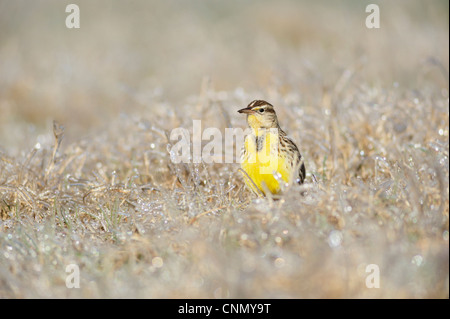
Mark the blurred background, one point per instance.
(128, 54)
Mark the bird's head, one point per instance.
(260, 115)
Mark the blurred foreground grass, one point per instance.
(368, 108)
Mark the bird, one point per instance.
(269, 157)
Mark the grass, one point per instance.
(98, 188)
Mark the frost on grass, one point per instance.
(139, 225)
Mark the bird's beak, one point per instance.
(246, 111)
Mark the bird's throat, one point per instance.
(254, 123)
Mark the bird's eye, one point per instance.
(261, 110)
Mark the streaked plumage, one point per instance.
(268, 156)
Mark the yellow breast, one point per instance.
(264, 164)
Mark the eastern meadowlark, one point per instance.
(268, 156)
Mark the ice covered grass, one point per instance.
(368, 110)
(140, 226)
